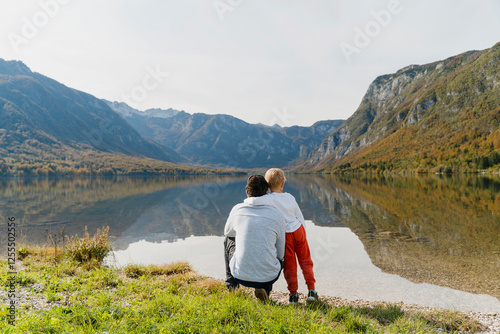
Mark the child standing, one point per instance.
(296, 241)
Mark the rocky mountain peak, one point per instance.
(14, 67)
(414, 98)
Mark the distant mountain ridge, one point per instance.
(438, 117)
(45, 126)
(35, 107)
(125, 110)
(224, 140)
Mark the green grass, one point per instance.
(175, 299)
(87, 249)
(106, 300)
(136, 271)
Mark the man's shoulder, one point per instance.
(239, 206)
(276, 214)
(270, 211)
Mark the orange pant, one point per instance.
(296, 243)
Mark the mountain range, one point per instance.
(47, 128)
(439, 117)
(224, 140)
(42, 115)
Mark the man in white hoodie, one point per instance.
(254, 246)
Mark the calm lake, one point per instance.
(428, 240)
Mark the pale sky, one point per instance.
(264, 61)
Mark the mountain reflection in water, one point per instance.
(151, 208)
(439, 230)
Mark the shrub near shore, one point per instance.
(58, 294)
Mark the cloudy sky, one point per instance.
(264, 61)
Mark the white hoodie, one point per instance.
(287, 204)
(259, 230)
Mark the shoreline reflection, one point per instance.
(342, 267)
(428, 230)
(443, 231)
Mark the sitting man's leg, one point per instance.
(264, 292)
(262, 289)
(229, 248)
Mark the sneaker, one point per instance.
(312, 296)
(294, 299)
(261, 294)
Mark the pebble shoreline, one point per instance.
(31, 298)
(490, 321)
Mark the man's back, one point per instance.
(259, 232)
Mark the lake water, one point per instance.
(430, 240)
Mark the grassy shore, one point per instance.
(57, 292)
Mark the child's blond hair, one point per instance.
(275, 178)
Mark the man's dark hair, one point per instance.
(256, 186)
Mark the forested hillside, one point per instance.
(47, 128)
(439, 117)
